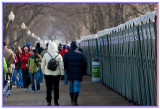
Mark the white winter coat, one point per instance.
(53, 50)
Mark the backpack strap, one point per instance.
(51, 56)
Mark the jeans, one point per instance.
(36, 76)
(41, 75)
(13, 77)
(65, 78)
(50, 82)
(9, 77)
(18, 75)
(74, 86)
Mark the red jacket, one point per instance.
(63, 52)
(24, 58)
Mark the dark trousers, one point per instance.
(50, 82)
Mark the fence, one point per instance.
(127, 55)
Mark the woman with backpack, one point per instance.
(53, 71)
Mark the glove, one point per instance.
(62, 77)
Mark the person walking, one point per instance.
(68, 47)
(24, 58)
(45, 50)
(52, 76)
(17, 72)
(42, 54)
(33, 63)
(13, 69)
(64, 50)
(39, 50)
(5, 69)
(75, 65)
(9, 57)
(60, 47)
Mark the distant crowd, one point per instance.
(23, 66)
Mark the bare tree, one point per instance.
(71, 20)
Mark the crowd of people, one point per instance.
(23, 66)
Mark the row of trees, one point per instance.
(68, 21)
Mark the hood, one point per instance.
(38, 45)
(74, 45)
(52, 47)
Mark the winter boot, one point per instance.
(48, 103)
(75, 97)
(56, 103)
(71, 95)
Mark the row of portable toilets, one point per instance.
(127, 55)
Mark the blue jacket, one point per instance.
(75, 63)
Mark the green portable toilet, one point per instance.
(127, 67)
(120, 61)
(101, 54)
(109, 57)
(100, 44)
(152, 55)
(122, 58)
(140, 62)
(95, 59)
(151, 60)
(136, 53)
(106, 59)
(145, 60)
(86, 53)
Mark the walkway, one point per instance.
(91, 94)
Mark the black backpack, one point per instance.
(52, 64)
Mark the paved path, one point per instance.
(92, 94)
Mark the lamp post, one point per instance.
(11, 17)
(28, 33)
(33, 36)
(23, 26)
(36, 37)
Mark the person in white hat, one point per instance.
(24, 58)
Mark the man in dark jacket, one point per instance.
(75, 65)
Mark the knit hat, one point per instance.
(64, 47)
(74, 45)
(25, 48)
(28, 45)
(60, 45)
(47, 44)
